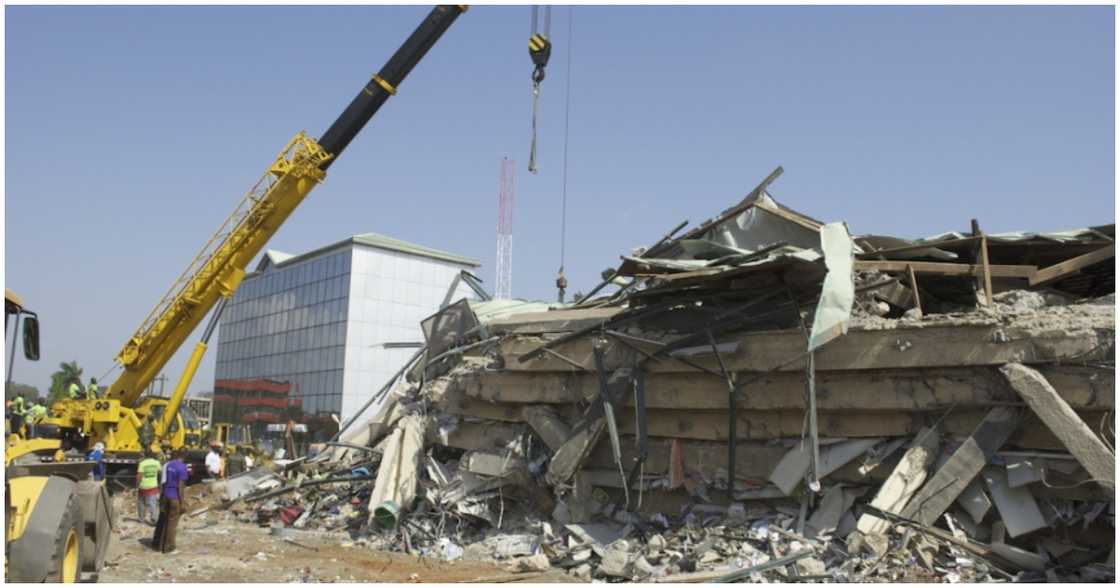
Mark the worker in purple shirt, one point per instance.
(172, 502)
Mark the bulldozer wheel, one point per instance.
(67, 558)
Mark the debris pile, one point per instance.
(761, 398)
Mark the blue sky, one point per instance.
(132, 131)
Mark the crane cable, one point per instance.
(540, 48)
(561, 281)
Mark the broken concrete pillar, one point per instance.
(548, 426)
(1097, 459)
(573, 452)
(907, 477)
(966, 462)
(495, 465)
(397, 476)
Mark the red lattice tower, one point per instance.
(504, 267)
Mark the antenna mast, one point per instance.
(504, 266)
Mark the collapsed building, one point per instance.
(760, 397)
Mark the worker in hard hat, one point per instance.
(35, 415)
(235, 462)
(98, 457)
(74, 390)
(19, 412)
(92, 391)
(214, 460)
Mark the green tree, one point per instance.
(60, 380)
(13, 389)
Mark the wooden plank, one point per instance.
(914, 287)
(964, 465)
(880, 390)
(915, 247)
(930, 346)
(947, 269)
(745, 203)
(789, 216)
(1069, 266)
(1061, 419)
(985, 277)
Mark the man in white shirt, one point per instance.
(214, 460)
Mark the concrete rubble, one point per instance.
(954, 425)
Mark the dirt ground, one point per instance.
(214, 548)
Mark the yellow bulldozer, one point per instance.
(59, 522)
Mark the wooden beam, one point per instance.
(745, 203)
(1078, 438)
(791, 217)
(985, 277)
(1070, 266)
(965, 464)
(914, 286)
(947, 269)
(917, 247)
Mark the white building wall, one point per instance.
(390, 293)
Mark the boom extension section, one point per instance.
(217, 270)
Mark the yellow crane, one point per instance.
(123, 420)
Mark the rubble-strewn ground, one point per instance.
(215, 547)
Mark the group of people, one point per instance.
(161, 489)
(74, 390)
(21, 413)
(221, 463)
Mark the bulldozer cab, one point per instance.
(14, 311)
(230, 434)
(185, 429)
(14, 308)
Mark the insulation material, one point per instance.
(757, 228)
(838, 292)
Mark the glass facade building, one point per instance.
(311, 338)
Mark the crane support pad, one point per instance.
(29, 556)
